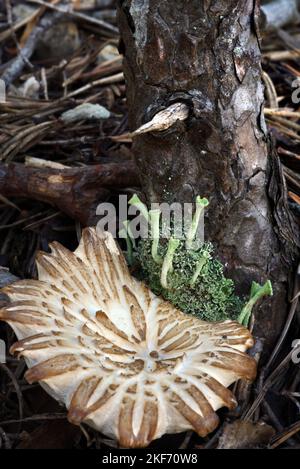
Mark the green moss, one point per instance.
(210, 296)
(188, 275)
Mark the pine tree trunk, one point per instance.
(206, 53)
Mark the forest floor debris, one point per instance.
(93, 159)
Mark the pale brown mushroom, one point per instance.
(121, 359)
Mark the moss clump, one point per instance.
(186, 273)
(208, 295)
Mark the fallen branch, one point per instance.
(74, 191)
(280, 13)
(79, 16)
(16, 67)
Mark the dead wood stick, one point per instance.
(280, 13)
(74, 191)
(16, 67)
(79, 16)
(18, 25)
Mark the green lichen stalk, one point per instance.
(257, 292)
(191, 234)
(154, 217)
(187, 273)
(136, 202)
(195, 284)
(168, 262)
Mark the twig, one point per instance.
(36, 418)
(74, 191)
(16, 386)
(282, 113)
(103, 81)
(16, 67)
(45, 83)
(266, 386)
(15, 27)
(79, 16)
(280, 13)
(272, 416)
(21, 222)
(270, 91)
(186, 441)
(286, 434)
(288, 321)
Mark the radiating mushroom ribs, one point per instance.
(120, 358)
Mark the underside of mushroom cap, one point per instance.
(120, 358)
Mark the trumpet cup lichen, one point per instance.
(188, 274)
(195, 284)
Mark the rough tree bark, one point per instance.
(206, 53)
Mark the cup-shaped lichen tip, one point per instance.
(135, 201)
(257, 292)
(201, 204)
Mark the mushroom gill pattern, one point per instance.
(121, 359)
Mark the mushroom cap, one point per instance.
(121, 359)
